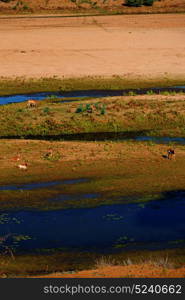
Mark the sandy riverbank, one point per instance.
(130, 46)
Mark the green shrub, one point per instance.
(150, 92)
(96, 105)
(165, 93)
(25, 7)
(148, 2)
(79, 109)
(46, 110)
(103, 110)
(5, 1)
(88, 107)
(132, 93)
(135, 3)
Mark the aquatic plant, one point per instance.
(113, 217)
(51, 97)
(132, 93)
(21, 237)
(142, 205)
(150, 92)
(5, 219)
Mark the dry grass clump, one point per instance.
(161, 262)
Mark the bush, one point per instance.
(46, 110)
(79, 109)
(150, 92)
(88, 107)
(135, 3)
(148, 2)
(132, 93)
(103, 110)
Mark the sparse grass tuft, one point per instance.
(103, 262)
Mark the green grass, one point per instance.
(118, 172)
(22, 85)
(123, 170)
(131, 115)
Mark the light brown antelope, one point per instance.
(32, 103)
(16, 158)
(23, 166)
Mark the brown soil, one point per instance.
(131, 46)
(143, 270)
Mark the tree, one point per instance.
(135, 3)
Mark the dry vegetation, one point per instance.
(162, 115)
(99, 6)
(145, 270)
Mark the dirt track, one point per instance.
(147, 45)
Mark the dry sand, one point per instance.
(135, 45)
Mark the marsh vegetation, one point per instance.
(127, 191)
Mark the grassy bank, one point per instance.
(119, 172)
(21, 85)
(68, 263)
(96, 119)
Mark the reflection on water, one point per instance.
(39, 185)
(64, 197)
(156, 224)
(161, 140)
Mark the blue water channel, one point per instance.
(156, 224)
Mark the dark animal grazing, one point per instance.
(48, 154)
(171, 153)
